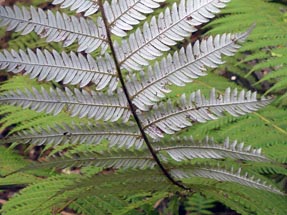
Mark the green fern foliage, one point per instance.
(264, 54)
(197, 204)
(10, 161)
(270, 121)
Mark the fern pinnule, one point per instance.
(59, 27)
(88, 6)
(113, 159)
(14, 161)
(167, 118)
(181, 149)
(198, 204)
(224, 175)
(123, 15)
(79, 103)
(266, 168)
(118, 135)
(75, 68)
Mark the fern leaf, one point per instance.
(171, 26)
(71, 69)
(18, 180)
(221, 174)
(57, 191)
(140, 201)
(117, 135)
(141, 94)
(10, 161)
(88, 206)
(112, 159)
(79, 103)
(59, 27)
(186, 148)
(122, 15)
(88, 6)
(244, 200)
(122, 183)
(198, 204)
(266, 44)
(169, 119)
(266, 168)
(183, 67)
(100, 205)
(38, 195)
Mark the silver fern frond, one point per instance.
(80, 103)
(88, 6)
(71, 69)
(166, 118)
(121, 127)
(56, 27)
(118, 135)
(183, 67)
(122, 15)
(171, 26)
(221, 174)
(181, 149)
(113, 159)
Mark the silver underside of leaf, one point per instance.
(122, 15)
(182, 67)
(166, 30)
(221, 174)
(80, 103)
(145, 84)
(56, 27)
(70, 69)
(89, 7)
(168, 119)
(181, 149)
(113, 159)
(119, 136)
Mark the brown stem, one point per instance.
(132, 108)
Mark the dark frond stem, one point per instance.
(12, 187)
(133, 110)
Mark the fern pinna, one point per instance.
(105, 109)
